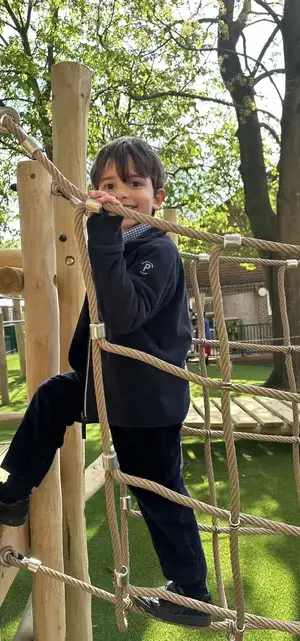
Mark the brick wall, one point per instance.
(247, 306)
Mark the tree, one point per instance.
(267, 222)
(179, 74)
(34, 35)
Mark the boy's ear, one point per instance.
(158, 199)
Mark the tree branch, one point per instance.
(5, 43)
(18, 25)
(224, 49)
(251, 24)
(269, 114)
(239, 24)
(267, 74)
(28, 17)
(265, 49)
(272, 131)
(198, 21)
(7, 24)
(270, 11)
(179, 94)
(245, 52)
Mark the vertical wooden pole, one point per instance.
(5, 312)
(171, 216)
(3, 365)
(42, 350)
(71, 87)
(20, 335)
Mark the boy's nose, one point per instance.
(122, 192)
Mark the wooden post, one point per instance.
(20, 335)
(171, 216)
(3, 365)
(5, 312)
(17, 537)
(42, 352)
(71, 87)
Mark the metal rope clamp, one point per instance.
(232, 241)
(33, 565)
(292, 263)
(97, 331)
(226, 385)
(290, 349)
(126, 503)
(204, 258)
(122, 578)
(234, 526)
(30, 145)
(110, 461)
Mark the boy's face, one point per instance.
(137, 193)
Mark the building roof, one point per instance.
(231, 274)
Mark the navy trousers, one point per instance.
(151, 453)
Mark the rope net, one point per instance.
(235, 622)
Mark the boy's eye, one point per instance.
(108, 186)
(137, 183)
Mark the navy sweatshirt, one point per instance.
(142, 300)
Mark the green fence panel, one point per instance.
(10, 339)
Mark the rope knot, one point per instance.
(7, 552)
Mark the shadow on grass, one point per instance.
(269, 564)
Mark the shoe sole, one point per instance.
(14, 514)
(187, 620)
(191, 620)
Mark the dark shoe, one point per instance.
(12, 513)
(173, 613)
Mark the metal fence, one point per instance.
(260, 333)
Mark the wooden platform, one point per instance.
(248, 414)
(259, 415)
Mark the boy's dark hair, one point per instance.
(146, 161)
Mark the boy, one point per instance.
(141, 294)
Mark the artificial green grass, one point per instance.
(251, 373)
(269, 564)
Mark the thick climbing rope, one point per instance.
(233, 622)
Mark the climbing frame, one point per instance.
(235, 622)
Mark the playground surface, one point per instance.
(269, 563)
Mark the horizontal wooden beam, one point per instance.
(11, 258)
(94, 478)
(9, 418)
(11, 280)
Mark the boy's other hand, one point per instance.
(103, 197)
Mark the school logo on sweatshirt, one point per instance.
(146, 267)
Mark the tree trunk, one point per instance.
(288, 202)
(263, 221)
